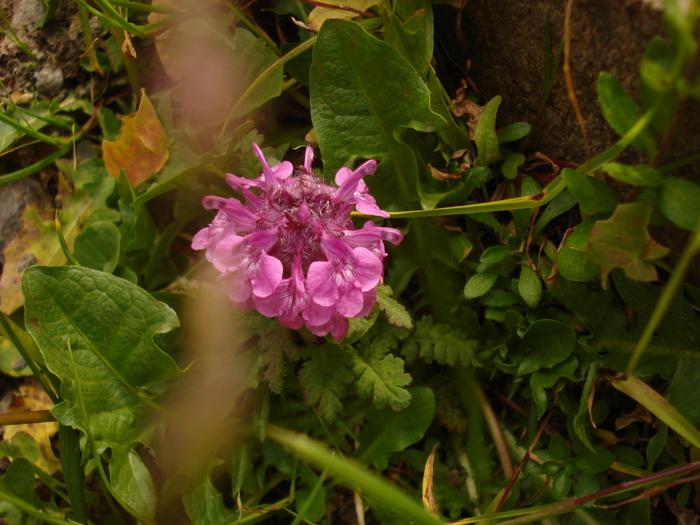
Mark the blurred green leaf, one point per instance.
(680, 202)
(591, 193)
(388, 431)
(622, 112)
(642, 175)
(97, 247)
(356, 476)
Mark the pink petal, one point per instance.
(224, 255)
(321, 283)
(238, 288)
(265, 274)
(317, 315)
(369, 269)
(370, 298)
(350, 303)
(339, 329)
(308, 158)
(367, 205)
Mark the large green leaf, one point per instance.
(96, 334)
(358, 114)
(388, 431)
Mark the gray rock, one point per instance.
(49, 80)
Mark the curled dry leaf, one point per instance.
(141, 148)
(442, 175)
(321, 14)
(638, 414)
(428, 476)
(463, 106)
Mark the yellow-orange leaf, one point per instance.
(142, 147)
(32, 397)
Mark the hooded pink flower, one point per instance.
(291, 251)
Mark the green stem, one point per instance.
(665, 300)
(29, 170)
(38, 374)
(87, 38)
(42, 516)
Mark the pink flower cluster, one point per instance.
(291, 251)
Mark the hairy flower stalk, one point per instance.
(291, 251)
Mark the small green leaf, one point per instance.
(561, 484)
(680, 202)
(388, 431)
(641, 175)
(591, 193)
(594, 461)
(132, 482)
(485, 135)
(547, 343)
(511, 165)
(479, 284)
(495, 254)
(97, 247)
(513, 132)
(529, 286)
(622, 112)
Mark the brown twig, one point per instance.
(524, 461)
(26, 418)
(571, 92)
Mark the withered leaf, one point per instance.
(141, 148)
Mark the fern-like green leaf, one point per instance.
(395, 313)
(438, 343)
(276, 344)
(323, 379)
(381, 375)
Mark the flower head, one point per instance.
(292, 252)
